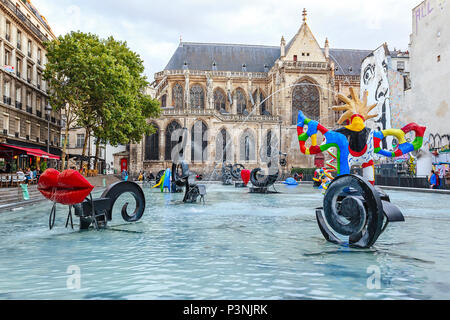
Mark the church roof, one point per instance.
(232, 57)
(348, 61)
(228, 57)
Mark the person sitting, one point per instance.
(296, 176)
(28, 176)
(21, 176)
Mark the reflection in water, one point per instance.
(236, 246)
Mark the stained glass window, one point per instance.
(247, 147)
(305, 97)
(219, 100)
(241, 101)
(152, 145)
(262, 106)
(172, 139)
(197, 97)
(178, 96)
(199, 142)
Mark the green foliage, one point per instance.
(102, 79)
(43, 166)
(303, 170)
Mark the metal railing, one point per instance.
(222, 117)
(306, 65)
(229, 74)
(11, 6)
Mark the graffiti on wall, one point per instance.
(439, 143)
(374, 79)
(421, 12)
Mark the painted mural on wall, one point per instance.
(397, 101)
(374, 80)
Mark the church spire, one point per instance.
(304, 14)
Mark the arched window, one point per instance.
(164, 101)
(152, 145)
(261, 103)
(199, 141)
(174, 136)
(178, 96)
(223, 147)
(270, 148)
(241, 102)
(305, 97)
(197, 97)
(247, 147)
(219, 100)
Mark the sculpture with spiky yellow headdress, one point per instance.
(355, 143)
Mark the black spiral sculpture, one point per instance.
(227, 177)
(261, 183)
(98, 212)
(355, 213)
(236, 171)
(180, 178)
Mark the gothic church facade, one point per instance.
(239, 103)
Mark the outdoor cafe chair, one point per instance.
(5, 181)
(15, 181)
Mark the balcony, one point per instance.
(38, 86)
(47, 117)
(6, 100)
(29, 109)
(16, 135)
(12, 6)
(39, 113)
(39, 62)
(27, 137)
(19, 46)
(37, 139)
(53, 120)
(28, 80)
(19, 105)
(29, 54)
(5, 132)
(8, 37)
(18, 74)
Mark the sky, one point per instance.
(153, 28)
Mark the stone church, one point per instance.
(237, 103)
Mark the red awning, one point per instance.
(33, 152)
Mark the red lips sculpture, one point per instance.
(68, 187)
(245, 175)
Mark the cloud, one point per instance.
(153, 28)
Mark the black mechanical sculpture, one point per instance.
(230, 172)
(261, 183)
(98, 212)
(355, 213)
(180, 179)
(227, 178)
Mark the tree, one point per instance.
(66, 70)
(103, 82)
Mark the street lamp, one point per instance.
(48, 110)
